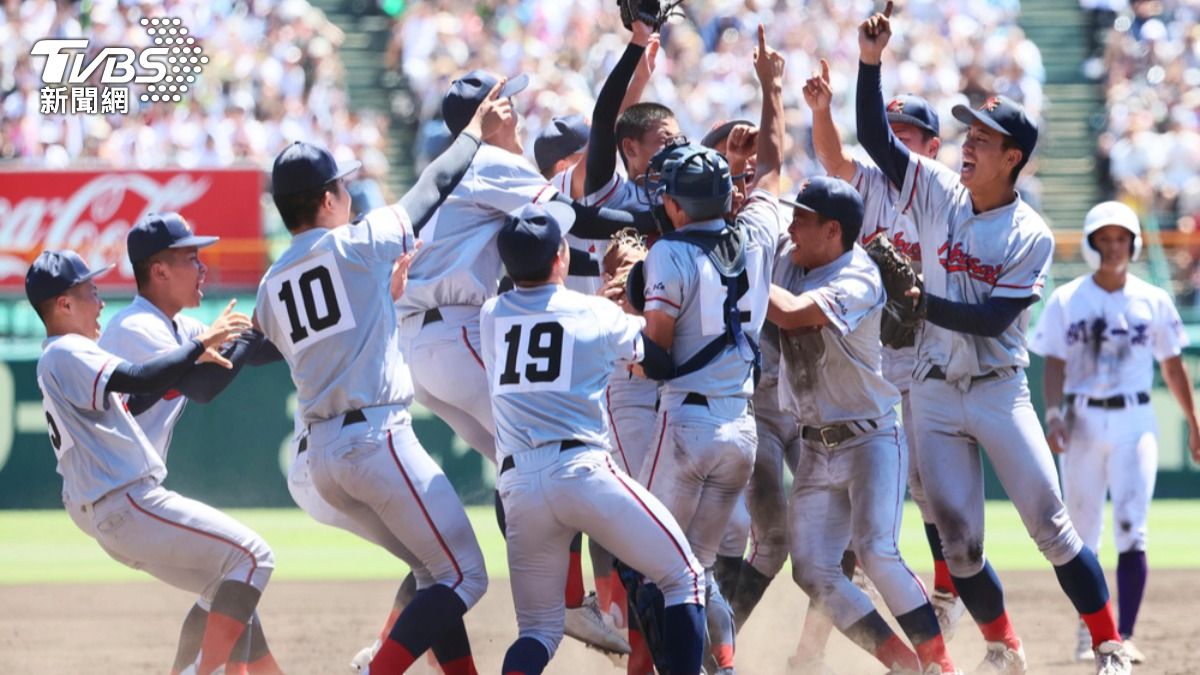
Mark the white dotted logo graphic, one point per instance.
(185, 58)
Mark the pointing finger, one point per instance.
(887, 9)
(825, 70)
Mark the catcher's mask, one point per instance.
(696, 177)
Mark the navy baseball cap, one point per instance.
(303, 166)
(468, 91)
(831, 198)
(55, 273)
(531, 235)
(914, 110)
(160, 231)
(1004, 115)
(721, 132)
(563, 137)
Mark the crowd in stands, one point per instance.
(273, 76)
(949, 51)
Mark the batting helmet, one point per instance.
(1109, 213)
(696, 177)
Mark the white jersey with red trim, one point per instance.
(459, 263)
(98, 445)
(619, 193)
(970, 257)
(326, 304)
(140, 332)
(1109, 341)
(881, 216)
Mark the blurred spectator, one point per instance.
(274, 76)
(949, 51)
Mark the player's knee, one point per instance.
(473, 585)
(877, 555)
(964, 557)
(685, 584)
(814, 580)
(1056, 537)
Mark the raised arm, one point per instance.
(827, 140)
(602, 140)
(769, 65)
(874, 132)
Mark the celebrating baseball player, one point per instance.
(1100, 335)
(112, 473)
(164, 253)
(332, 287)
(969, 387)
(915, 123)
(548, 352)
(849, 483)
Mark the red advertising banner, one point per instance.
(91, 213)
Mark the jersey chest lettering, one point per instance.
(1097, 331)
(309, 302)
(912, 249)
(956, 259)
(536, 353)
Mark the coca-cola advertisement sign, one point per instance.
(91, 213)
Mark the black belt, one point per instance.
(431, 316)
(1112, 402)
(508, 462)
(936, 373)
(352, 417)
(834, 435)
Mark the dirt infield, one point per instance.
(317, 627)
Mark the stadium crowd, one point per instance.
(274, 75)
(567, 48)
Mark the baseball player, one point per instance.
(332, 287)
(548, 353)
(705, 302)
(993, 252)
(164, 253)
(112, 474)
(916, 124)
(1100, 334)
(849, 483)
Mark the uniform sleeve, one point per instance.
(82, 371)
(135, 340)
(664, 281)
(1169, 337)
(1024, 273)
(624, 331)
(927, 191)
(507, 186)
(605, 194)
(1049, 336)
(849, 298)
(760, 214)
(385, 234)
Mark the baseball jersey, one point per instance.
(459, 263)
(326, 305)
(97, 444)
(594, 248)
(138, 333)
(1004, 252)
(1109, 341)
(549, 352)
(833, 374)
(682, 282)
(881, 216)
(620, 192)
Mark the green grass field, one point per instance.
(45, 547)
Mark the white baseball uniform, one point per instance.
(548, 352)
(112, 479)
(325, 304)
(981, 396)
(458, 270)
(703, 448)
(847, 493)
(1109, 342)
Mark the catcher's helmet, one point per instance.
(696, 177)
(1109, 213)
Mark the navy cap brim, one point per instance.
(346, 169)
(901, 118)
(198, 242)
(797, 205)
(719, 134)
(968, 115)
(563, 214)
(93, 274)
(514, 85)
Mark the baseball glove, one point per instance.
(901, 314)
(653, 13)
(624, 249)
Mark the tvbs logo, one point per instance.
(167, 67)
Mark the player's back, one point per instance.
(326, 305)
(459, 264)
(549, 353)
